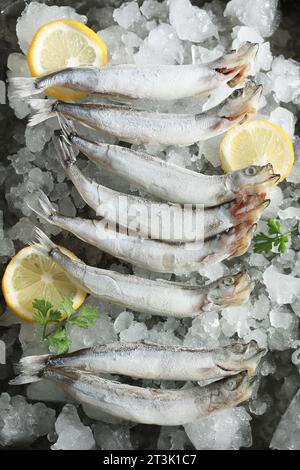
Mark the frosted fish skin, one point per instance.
(155, 220)
(155, 255)
(134, 125)
(153, 361)
(171, 182)
(155, 82)
(155, 297)
(152, 406)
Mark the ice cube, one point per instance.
(37, 136)
(258, 335)
(290, 213)
(172, 438)
(2, 92)
(285, 76)
(264, 56)
(22, 423)
(23, 230)
(276, 197)
(284, 119)
(162, 46)
(7, 247)
(262, 16)
(123, 321)
(1, 226)
(128, 14)
(46, 390)
(228, 429)
(112, 436)
(238, 318)
(190, 22)
(261, 307)
(153, 9)
(117, 52)
(287, 433)
(136, 332)
(72, 434)
(202, 55)
(36, 15)
(210, 149)
(281, 318)
(2, 352)
(282, 288)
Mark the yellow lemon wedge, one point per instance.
(257, 142)
(61, 44)
(31, 275)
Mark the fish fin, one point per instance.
(42, 243)
(64, 151)
(24, 86)
(67, 129)
(44, 110)
(43, 207)
(30, 369)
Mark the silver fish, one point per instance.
(149, 405)
(158, 297)
(155, 220)
(133, 125)
(168, 181)
(149, 360)
(155, 82)
(154, 255)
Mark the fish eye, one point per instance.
(231, 384)
(228, 281)
(237, 93)
(238, 347)
(250, 171)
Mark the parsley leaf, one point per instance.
(263, 243)
(85, 317)
(58, 337)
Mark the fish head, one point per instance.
(237, 65)
(248, 207)
(241, 104)
(238, 357)
(237, 240)
(252, 179)
(232, 391)
(230, 290)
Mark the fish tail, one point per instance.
(30, 369)
(43, 207)
(24, 86)
(68, 129)
(42, 244)
(64, 151)
(45, 109)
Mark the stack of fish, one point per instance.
(226, 207)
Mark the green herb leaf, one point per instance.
(59, 340)
(85, 317)
(42, 305)
(274, 226)
(265, 242)
(67, 306)
(54, 316)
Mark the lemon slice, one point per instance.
(257, 142)
(31, 275)
(61, 44)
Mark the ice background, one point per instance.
(168, 32)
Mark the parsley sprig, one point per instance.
(275, 237)
(55, 321)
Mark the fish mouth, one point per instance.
(241, 107)
(238, 63)
(249, 208)
(242, 236)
